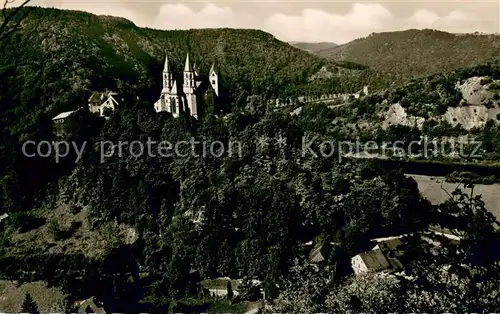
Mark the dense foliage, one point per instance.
(441, 275)
(257, 207)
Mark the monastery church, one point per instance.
(194, 96)
(191, 93)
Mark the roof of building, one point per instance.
(214, 68)
(96, 96)
(374, 260)
(102, 96)
(201, 83)
(316, 256)
(4, 216)
(113, 99)
(390, 245)
(392, 248)
(64, 115)
(89, 306)
(387, 238)
(173, 90)
(320, 252)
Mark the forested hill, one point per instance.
(58, 57)
(95, 52)
(416, 53)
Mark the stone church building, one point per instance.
(194, 93)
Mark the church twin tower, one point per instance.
(199, 92)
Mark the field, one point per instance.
(437, 191)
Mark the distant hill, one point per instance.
(415, 53)
(313, 47)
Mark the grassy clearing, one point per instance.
(48, 299)
(67, 232)
(210, 305)
(219, 283)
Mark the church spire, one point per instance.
(188, 67)
(167, 67)
(214, 69)
(195, 68)
(167, 76)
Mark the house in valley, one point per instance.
(89, 306)
(370, 261)
(65, 122)
(105, 103)
(385, 256)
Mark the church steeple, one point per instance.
(188, 77)
(167, 68)
(189, 88)
(195, 68)
(168, 79)
(187, 66)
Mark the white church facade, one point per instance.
(193, 94)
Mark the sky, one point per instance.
(311, 21)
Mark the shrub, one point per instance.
(75, 209)
(486, 81)
(61, 233)
(248, 291)
(25, 221)
(495, 86)
(489, 180)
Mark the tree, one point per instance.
(9, 24)
(248, 290)
(29, 305)
(230, 292)
(304, 290)
(369, 293)
(457, 275)
(226, 261)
